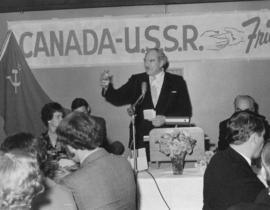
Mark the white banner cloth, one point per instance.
(124, 39)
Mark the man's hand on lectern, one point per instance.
(158, 121)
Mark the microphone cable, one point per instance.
(160, 193)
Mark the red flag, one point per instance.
(21, 97)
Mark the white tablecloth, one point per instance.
(181, 192)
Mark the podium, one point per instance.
(195, 132)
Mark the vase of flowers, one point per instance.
(176, 145)
(178, 162)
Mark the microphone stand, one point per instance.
(135, 152)
(135, 155)
(133, 116)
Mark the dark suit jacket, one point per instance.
(103, 182)
(262, 202)
(173, 100)
(223, 131)
(115, 147)
(101, 121)
(229, 180)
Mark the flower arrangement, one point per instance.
(176, 143)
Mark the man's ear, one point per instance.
(254, 138)
(161, 63)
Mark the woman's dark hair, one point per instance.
(242, 124)
(48, 110)
(80, 131)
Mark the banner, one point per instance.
(123, 40)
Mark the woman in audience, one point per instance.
(51, 115)
(20, 180)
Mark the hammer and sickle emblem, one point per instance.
(14, 81)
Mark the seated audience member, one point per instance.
(81, 105)
(55, 196)
(229, 178)
(23, 142)
(104, 180)
(51, 115)
(20, 180)
(241, 103)
(262, 201)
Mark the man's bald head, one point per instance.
(244, 102)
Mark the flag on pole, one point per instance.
(21, 96)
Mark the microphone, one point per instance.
(131, 109)
(143, 90)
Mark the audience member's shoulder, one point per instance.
(98, 118)
(50, 184)
(71, 179)
(249, 206)
(219, 158)
(224, 122)
(120, 159)
(55, 196)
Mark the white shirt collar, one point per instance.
(159, 76)
(86, 154)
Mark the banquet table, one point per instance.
(181, 192)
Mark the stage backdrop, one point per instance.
(123, 40)
(212, 83)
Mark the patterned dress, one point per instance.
(51, 156)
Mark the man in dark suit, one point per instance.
(262, 201)
(165, 94)
(103, 181)
(229, 178)
(81, 105)
(241, 102)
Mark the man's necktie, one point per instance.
(154, 92)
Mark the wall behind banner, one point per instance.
(212, 84)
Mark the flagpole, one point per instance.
(4, 46)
